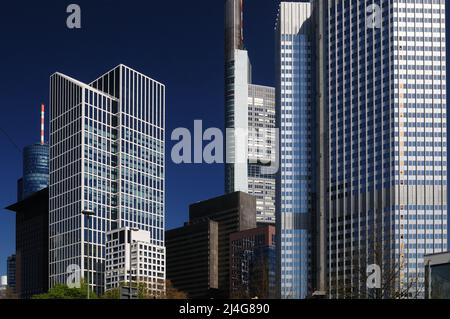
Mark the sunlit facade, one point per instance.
(107, 156)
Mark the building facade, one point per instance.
(386, 115)
(11, 272)
(3, 283)
(261, 150)
(35, 170)
(233, 212)
(32, 244)
(252, 263)
(295, 179)
(106, 156)
(250, 122)
(437, 276)
(130, 258)
(193, 258)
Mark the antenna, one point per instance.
(42, 124)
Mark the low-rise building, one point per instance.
(128, 248)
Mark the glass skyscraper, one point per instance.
(35, 170)
(386, 114)
(295, 120)
(107, 156)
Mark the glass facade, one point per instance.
(107, 156)
(35, 170)
(295, 178)
(387, 191)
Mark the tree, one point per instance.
(393, 281)
(8, 293)
(61, 291)
(145, 293)
(173, 293)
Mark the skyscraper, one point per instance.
(35, 169)
(250, 111)
(35, 165)
(386, 114)
(107, 157)
(295, 120)
(32, 244)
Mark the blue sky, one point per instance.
(179, 43)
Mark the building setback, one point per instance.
(32, 244)
(252, 263)
(107, 156)
(250, 111)
(193, 258)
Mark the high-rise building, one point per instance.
(31, 258)
(295, 186)
(106, 157)
(193, 258)
(386, 115)
(35, 169)
(261, 150)
(233, 212)
(32, 244)
(11, 272)
(250, 114)
(253, 263)
(131, 249)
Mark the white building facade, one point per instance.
(132, 249)
(106, 156)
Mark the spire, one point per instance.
(42, 124)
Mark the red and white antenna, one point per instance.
(42, 124)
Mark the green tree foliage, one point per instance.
(64, 292)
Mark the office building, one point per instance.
(252, 263)
(207, 237)
(3, 283)
(106, 157)
(437, 276)
(295, 179)
(132, 249)
(193, 258)
(11, 272)
(35, 165)
(261, 150)
(386, 114)
(29, 266)
(35, 170)
(31, 244)
(250, 114)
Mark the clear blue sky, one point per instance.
(179, 43)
